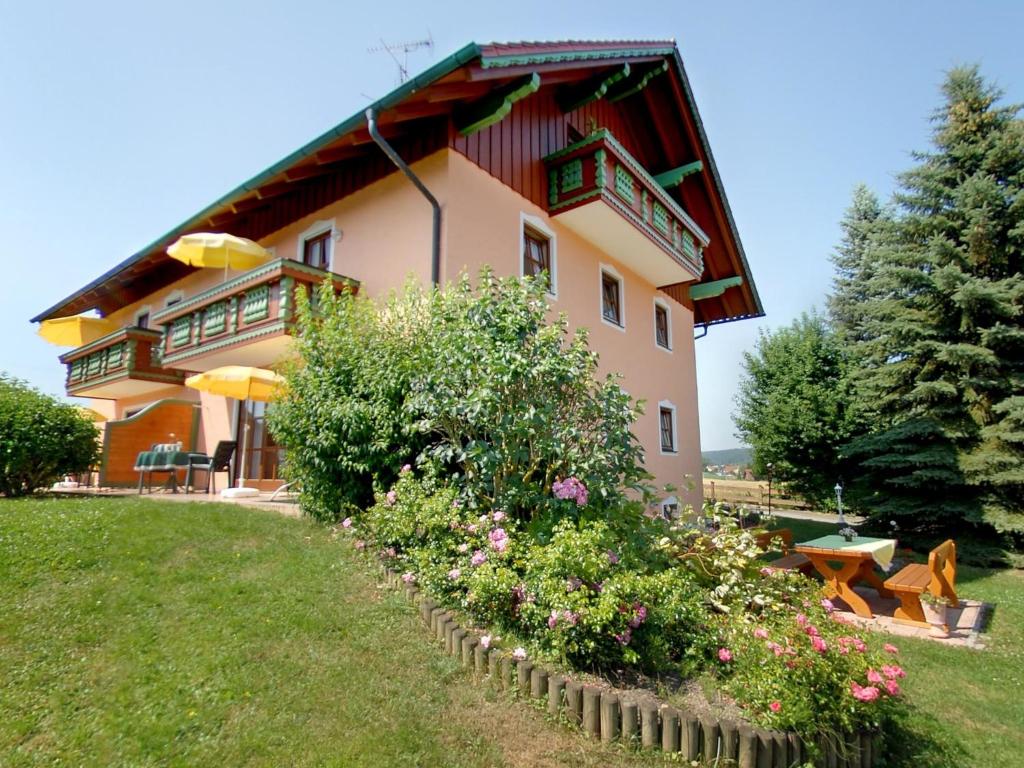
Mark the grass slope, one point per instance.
(135, 632)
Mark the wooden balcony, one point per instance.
(599, 190)
(245, 321)
(124, 363)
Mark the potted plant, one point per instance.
(848, 533)
(935, 609)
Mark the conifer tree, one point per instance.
(939, 332)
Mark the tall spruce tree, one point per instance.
(939, 328)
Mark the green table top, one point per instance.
(881, 550)
(164, 460)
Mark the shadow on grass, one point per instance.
(919, 738)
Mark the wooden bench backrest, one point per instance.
(764, 540)
(942, 565)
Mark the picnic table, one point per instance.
(842, 564)
(164, 461)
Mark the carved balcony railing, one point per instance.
(241, 321)
(121, 364)
(596, 188)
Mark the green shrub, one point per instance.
(41, 439)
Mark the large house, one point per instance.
(585, 159)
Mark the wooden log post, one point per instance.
(853, 751)
(574, 702)
(538, 683)
(411, 592)
(730, 740)
(469, 643)
(709, 731)
(556, 692)
(507, 672)
(457, 637)
(480, 660)
(494, 667)
(797, 755)
(867, 755)
(435, 618)
(523, 670)
(592, 711)
(441, 627)
(669, 729)
(765, 744)
(427, 607)
(748, 748)
(780, 750)
(650, 726)
(609, 717)
(690, 740)
(630, 722)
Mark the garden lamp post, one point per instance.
(839, 503)
(769, 467)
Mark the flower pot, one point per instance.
(935, 615)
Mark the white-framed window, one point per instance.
(613, 298)
(668, 438)
(316, 244)
(662, 324)
(538, 250)
(174, 297)
(142, 316)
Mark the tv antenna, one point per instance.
(403, 49)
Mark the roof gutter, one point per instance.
(435, 242)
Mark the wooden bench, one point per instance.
(790, 560)
(938, 578)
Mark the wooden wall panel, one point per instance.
(123, 440)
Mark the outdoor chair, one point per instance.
(219, 462)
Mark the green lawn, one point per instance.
(144, 633)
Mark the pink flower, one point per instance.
(553, 620)
(818, 644)
(519, 654)
(472, 527)
(485, 642)
(861, 693)
(454, 573)
(890, 648)
(827, 605)
(408, 577)
(346, 523)
(571, 488)
(499, 539)
(571, 617)
(873, 676)
(724, 655)
(498, 516)
(390, 552)
(612, 557)
(463, 547)
(761, 633)
(767, 571)
(801, 620)
(775, 648)
(775, 706)
(390, 498)
(893, 671)
(892, 687)
(360, 544)
(406, 468)
(625, 637)
(811, 630)
(639, 617)
(860, 645)
(479, 558)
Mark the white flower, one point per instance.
(519, 654)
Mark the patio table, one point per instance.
(164, 461)
(842, 564)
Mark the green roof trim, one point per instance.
(525, 59)
(593, 89)
(702, 291)
(672, 178)
(494, 107)
(636, 83)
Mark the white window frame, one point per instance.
(660, 302)
(611, 272)
(668, 406)
(318, 228)
(174, 297)
(537, 224)
(146, 309)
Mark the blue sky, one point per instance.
(120, 120)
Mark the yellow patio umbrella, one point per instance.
(75, 331)
(90, 414)
(242, 383)
(218, 250)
